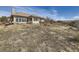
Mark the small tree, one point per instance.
(3, 19)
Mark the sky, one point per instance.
(53, 12)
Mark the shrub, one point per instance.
(76, 38)
(3, 19)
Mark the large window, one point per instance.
(17, 19)
(21, 19)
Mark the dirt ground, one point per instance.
(38, 38)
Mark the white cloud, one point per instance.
(76, 17)
(39, 11)
(52, 13)
(60, 18)
(4, 13)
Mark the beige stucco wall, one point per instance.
(14, 20)
(42, 20)
(35, 22)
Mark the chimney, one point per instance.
(13, 10)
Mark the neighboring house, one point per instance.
(19, 17)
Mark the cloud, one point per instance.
(22, 9)
(76, 17)
(52, 13)
(4, 13)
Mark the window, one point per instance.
(17, 19)
(23, 19)
(20, 19)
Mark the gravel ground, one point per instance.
(39, 39)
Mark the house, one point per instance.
(24, 18)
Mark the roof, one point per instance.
(26, 15)
(21, 14)
(37, 16)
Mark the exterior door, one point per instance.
(29, 20)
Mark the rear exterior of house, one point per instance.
(23, 18)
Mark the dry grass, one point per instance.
(36, 38)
